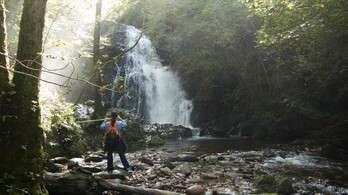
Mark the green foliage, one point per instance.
(62, 135)
(269, 68)
(55, 110)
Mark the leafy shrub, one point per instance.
(63, 136)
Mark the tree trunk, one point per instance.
(132, 190)
(21, 133)
(3, 49)
(98, 109)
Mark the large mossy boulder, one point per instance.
(71, 183)
(134, 135)
(273, 184)
(64, 140)
(155, 141)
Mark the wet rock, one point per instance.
(72, 164)
(146, 160)
(94, 158)
(269, 153)
(168, 164)
(92, 169)
(51, 167)
(223, 191)
(256, 158)
(209, 176)
(195, 180)
(168, 131)
(195, 190)
(166, 171)
(60, 160)
(134, 135)
(115, 174)
(194, 148)
(184, 169)
(135, 116)
(143, 166)
(273, 184)
(155, 140)
(187, 158)
(70, 183)
(220, 158)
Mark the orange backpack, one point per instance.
(112, 136)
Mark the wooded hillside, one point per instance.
(269, 69)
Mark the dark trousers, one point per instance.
(121, 152)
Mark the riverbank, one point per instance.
(182, 164)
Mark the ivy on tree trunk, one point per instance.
(21, 135)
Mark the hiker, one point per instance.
(120, 147)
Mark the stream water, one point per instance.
(245, 159)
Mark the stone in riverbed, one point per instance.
(185, 169)
(194, 148)
(94, 158)
(60, 160)
(187, 158)
(116, 174)
(209, 176)
(195, 180)
(223, 191)
(166, 171)
(195, 190)
(146, 160)
(273, 184)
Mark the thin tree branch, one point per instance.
(35, 77)
(57, 74)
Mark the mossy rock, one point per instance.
(273, 184)
(64, 140)
(134, 135)
(155, 141)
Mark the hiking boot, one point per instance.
(129, 170)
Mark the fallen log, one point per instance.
(130, 189)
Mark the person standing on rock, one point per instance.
(121, 148)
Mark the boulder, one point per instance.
(166, 171)
(168, 131)
(209, 176)
(71, 183)
(60, 160)
(94, 158)
(273, 184)
(51, 167)
(184, 169)
(155, 140)
(187, 158)
(195, 190)
(134, 135)
(64, 140)
(146, 160)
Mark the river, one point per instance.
(241, 160)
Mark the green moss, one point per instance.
(155, 141)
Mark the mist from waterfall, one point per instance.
(155, 90)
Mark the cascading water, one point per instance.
(152, 89)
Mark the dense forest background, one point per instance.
(269, 69)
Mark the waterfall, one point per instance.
(152, 89)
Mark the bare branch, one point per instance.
(57, 74)
(35, 77)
